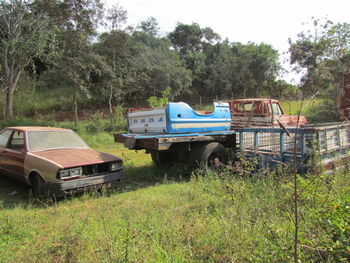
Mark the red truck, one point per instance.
(261, 112)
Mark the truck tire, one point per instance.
(161, 158)
(210, 155)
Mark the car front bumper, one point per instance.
(79, 185)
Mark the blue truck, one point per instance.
(177, 133)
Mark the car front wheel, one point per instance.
(37, 185)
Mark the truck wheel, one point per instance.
(37, 183)
(211, 155)
(161, 158)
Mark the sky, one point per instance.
(258, 21)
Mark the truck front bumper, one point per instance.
(80, 185)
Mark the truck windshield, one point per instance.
(48, 140)
(276, 109)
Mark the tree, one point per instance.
(116, 17)
(150, 26)
(195, 45)
(25, 34)
(220, 71)
(243, 70)
(154, 70)
(264, 65)
(115, 48)
(322, 53)
(186, 38)
(77, 20)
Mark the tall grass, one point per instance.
(293, 107)
(208, 219)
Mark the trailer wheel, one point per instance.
(210, 155)
(161, 158)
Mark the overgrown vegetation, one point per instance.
(156, 102)
(322, 54)
(162, 214)
(225, 218)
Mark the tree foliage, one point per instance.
(323, 54)
(122, 65)
(25, 34)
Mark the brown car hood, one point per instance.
(75, 157)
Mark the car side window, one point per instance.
(17, 141)
(4, 138)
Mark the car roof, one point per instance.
(253, 99)
(35, 128)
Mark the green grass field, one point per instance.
(294, 107)
(171, 215)
(174, 215)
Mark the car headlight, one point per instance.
(115, 166)
(74, 172)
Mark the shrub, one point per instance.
(22, 121)
(96, 123)
(155, 102)
(323, 112)
(118, 121)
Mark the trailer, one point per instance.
(178, 133)
(272, 146)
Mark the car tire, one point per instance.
(37, 185)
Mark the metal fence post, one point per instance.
(256, 140)
(241, 143)
(281, 142)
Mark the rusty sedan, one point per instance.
(55, 161)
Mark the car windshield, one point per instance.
(48, 140)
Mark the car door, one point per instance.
(13, 156)
(4, 139)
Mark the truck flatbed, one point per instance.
(162, 142)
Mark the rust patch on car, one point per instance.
(76, 157)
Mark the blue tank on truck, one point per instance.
(181, 118)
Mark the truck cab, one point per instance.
(261, 112)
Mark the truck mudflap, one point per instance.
(79, 185)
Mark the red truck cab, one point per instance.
(261, 112)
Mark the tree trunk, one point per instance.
(11, 77)
(8, 103)
(75, 107)
(110, 101)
